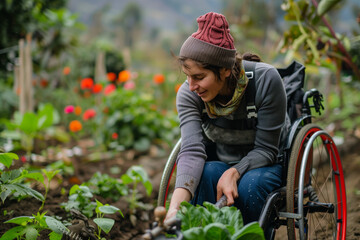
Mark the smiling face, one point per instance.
(204, 82)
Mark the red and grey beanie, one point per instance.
(212, 43)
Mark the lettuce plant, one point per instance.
(209, 222)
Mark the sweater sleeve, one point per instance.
(270, 100)
(192, 155)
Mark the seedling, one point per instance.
(30, 226)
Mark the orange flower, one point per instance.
(158, 78)
(87, 83)
(88, 114)
(66, 70)
(109, 89)
(111, 76)
(77, 110)
(75, 126)
(124, 76)
(97, 88)
(177, 87)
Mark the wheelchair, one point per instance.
(312, 200)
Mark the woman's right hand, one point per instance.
(180, 195)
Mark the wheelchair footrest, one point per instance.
(290, 215)
(312, 207)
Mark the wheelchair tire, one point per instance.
(322, 214)
(167, 174)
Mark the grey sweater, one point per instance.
(270, 101)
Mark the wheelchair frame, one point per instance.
(285, 206)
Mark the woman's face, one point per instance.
(203, 81)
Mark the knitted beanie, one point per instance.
(211, 43)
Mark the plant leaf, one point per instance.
(55, 225)
(107, 209)
(325, 6)
(194, 233)
(216, 231)
(13, 233)
(19, 220)
(31, 233)
(251, 231)
(7, 158)
(105, 223)
(55, 236)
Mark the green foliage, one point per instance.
(80, 199)
(106, 186)
(135, 175)
(11, 182)
(105, 224)
(30, 227)
(134, 117)
(326, 5)
(210, 222)
(25, 128)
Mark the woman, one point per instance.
(234, 159)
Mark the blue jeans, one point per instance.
(253, 187)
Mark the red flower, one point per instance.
(158, 78)
(88, 114)
(97, 88)
(87, 83)
(109, 89)
(114, 136)
(44, 83)
(23, 159)
(111, 76)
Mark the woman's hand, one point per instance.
(227, 185)
(179, 195)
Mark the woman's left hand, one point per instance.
(227, 185)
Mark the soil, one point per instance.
(153, 162)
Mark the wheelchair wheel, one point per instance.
(167, 174)
(315, 190)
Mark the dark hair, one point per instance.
(235, 72)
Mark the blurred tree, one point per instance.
(130, 20)
(17, 19)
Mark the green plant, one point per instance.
(26, 127)
(30, 226)
(106, 186)
(136, 122)
(209, 222)
(39, 176)
(135, 175)
(105, 224)
(80, 199)
(11, 182)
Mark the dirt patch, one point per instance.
(154, 163)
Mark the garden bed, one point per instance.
(153, 162)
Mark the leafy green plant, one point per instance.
(135, 175)
(137, 123)
(30, 226)
(11, 182)
(26, 127)
(103, 223)
(107, 186)
(209, 222)
(39, 176)
(80, 199)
